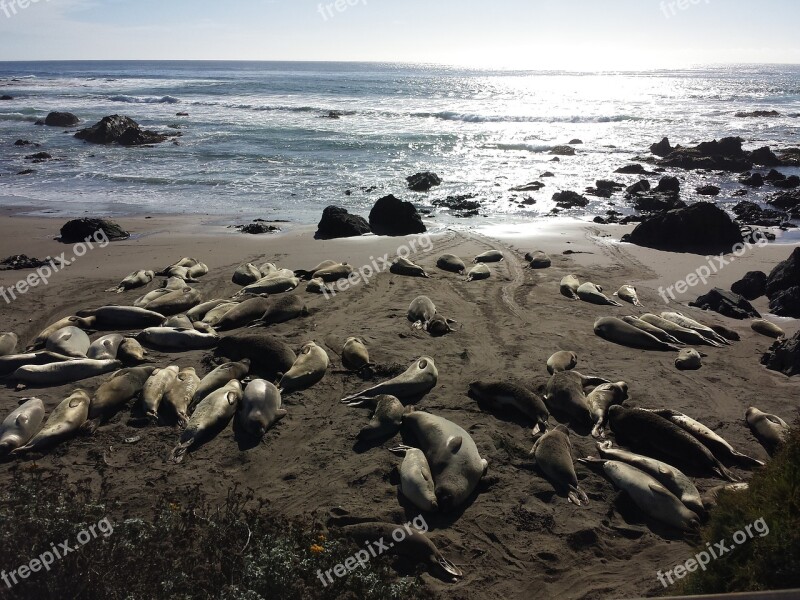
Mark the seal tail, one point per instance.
(724, 473)
(90, 426)
(179, 451)
(116, 289)
(577, 496)
(742, 460)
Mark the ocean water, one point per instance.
(257, 143)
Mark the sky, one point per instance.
(518, 34)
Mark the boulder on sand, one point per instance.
(701, 228)
(422, 182)
(727, 304)
(784, 356)
(752, 286)
(61, 119)
(785, 274)
(336, 223)
(78, 230)
(786, 303)
(392, 216)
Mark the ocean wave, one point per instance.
(475, 118)
(521, 146)
(145, 99)
(18, 117)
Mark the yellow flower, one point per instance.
(316, 548)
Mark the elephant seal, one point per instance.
(77, 321)
(589, 292)
(656, 332)
(59, 373)
(105, 347)
(12, 362)
(479, 272)
(246, 274)
(308, 370)
(417, 380)
(439, 326)
(684, 321)
(601, 399)
(220, 377)
(415, 546)
(179, 322)
(552, 453)
(130, 352)
(317, 285)
(240, 314)
(214, 316)
(770, 430)
(155, 388)
(689, 359)
(387, 416)
(199, 312)
(455, 463)
(180, 394)
(569, 287)
(20, 426)
(671, 478)
(146, 299)
(170, 338)
(198, 270)
(767, 328)
(267, 269)
(355, 355)
(268, 354)
(69, 341)
(8, 343)
(334, 273)
(176, 302)
(281, 310)
(260, 408)
(538, 260)
(728, 334)
(135, 280)
(565, 394)
(628, 294)
(506, 394)
(63, 423)
(311, 273)
(270, 285)
(184, 262)
(684, 334)
(717, 444)
(492, 256)
(403, 266)
(451, 263)
(620, 332)
(652, 498)
(651, 433)
(421, 311)
(120, 388)
(126, 317)
(212, 414)
(416, 480)
(711, 497)
(562, 361)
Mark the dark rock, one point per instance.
(6, 97)
(422, 182)
(740, 193)
(122, 130)
(563, 151)
(19, 262)
(727, 304)
(463, 202)
(784, 356)
(753, 180)
(774, 176)
(39, 156)
(701, 228)
(182, 114)
(61, 119)
(26, 172)
(789, 183)
(708, 190)
(22, 143)
(786, 200)
(569, 199)
(758, 113)
(766, 157)
(632, 170)
(752, 286)
(533, 186)
(605, 184)
(786, 303)
(723, 155)
(785, 275)
(337, 223)
(392, 216)
(556, 159)
(600, 221)
(78, 230)
(662, 148)
(751, 213)
(653, 203)
(668, 185)
(547, 174)
(639, 186)
(576, 142)
(257, 228)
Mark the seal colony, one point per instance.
(242, 356)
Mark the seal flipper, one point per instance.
(576, 495)
(179, 451)
(90, 426)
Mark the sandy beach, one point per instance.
(515, 538)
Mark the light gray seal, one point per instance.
(308, 370)
(212, 414)
(240, 314)
(770, 430)
(19, 427)
(569, 287)
(9, 364)
(170, 338)
(403, 266)
(176, 302)
(270, 285)
(179, 322)
(492, 256)
(246, 274)
(8, 343)
(355, 355)
(135, 280)
(201, 310)
(507, 394)
(717, 444)
(562, 361)
(69, 341)
(311, 273)
(601, 399)
(214, 316)
(552, 453)
(593, 294)
(179, 395)
(113, 394)
(767, 328)
(125, 317)
(220, 377)
(62, 424)
(130, 352)
(479, 272)
(705, 331)
(685, 335)
(628, 294)
(105, 347)
(84, 322)
(416, 480)
(417, 380)
(689, 359)
(651, 434)
(656, 332)
(538, 260)
(451, 263)
(421, 311)
(455, 463)
(155, 388)
(318, 286)
(620, 332)
(260, 408)
(280, 310)
(387, 416)
(565, 394)
(59, 373)
(147, 298)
